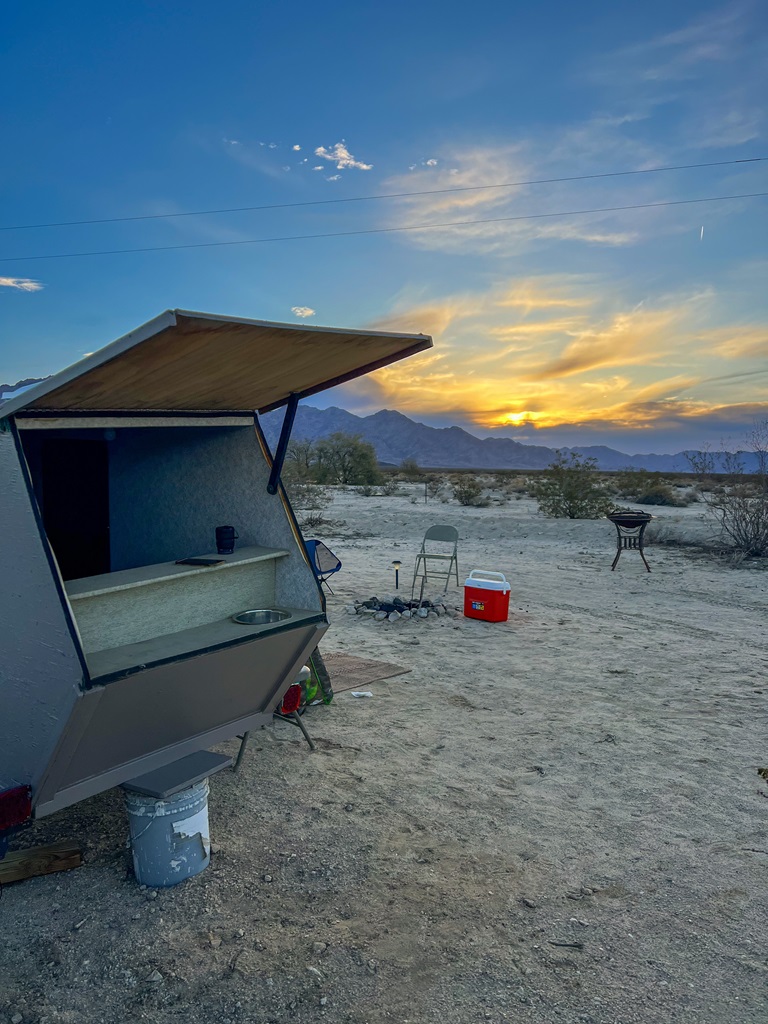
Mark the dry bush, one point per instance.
(391, 487)
(409, 470)
(308, 497)
(661, 493)
(646, 488)
(312, 521)
(511, 483)
(435, 485)
(467, 490)
(737, 500)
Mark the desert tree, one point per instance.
(300, 460)
(570, 488)
(346, 459)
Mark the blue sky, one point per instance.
(630, 328)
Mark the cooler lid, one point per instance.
(485, 579)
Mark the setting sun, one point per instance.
(517, 419)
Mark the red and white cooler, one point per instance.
(486, 596)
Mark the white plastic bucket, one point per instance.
(170, 839)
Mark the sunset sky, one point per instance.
(643, 329)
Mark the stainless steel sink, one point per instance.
(260, 616)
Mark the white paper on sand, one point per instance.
(361, 693)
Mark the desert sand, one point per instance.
(558, 818)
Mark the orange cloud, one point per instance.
(630, 339)
(502, 358)
(429, 318)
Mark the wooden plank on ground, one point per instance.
(39, 860)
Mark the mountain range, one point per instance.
(395, 438)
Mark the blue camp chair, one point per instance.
(323, 561)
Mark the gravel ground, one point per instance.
(554, 819)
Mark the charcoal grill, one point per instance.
(630, 529)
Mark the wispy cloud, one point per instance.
(22, 284)
(707, 74)
(432, 318)
(340, 155)
(546, 293)
(303, 311)
(458, 221)
(631, 338)
(739, 341)
(683, 54)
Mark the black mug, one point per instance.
(225, 539)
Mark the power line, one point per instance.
(386, 195)
(381, 231)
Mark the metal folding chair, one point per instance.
(443, 535)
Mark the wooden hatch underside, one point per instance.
(197, 362)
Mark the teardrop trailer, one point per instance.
(119, 657)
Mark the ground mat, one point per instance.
(350, 673)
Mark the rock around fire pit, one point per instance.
(396, 609)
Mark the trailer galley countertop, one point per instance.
(91, 586)
(125, 608)
(119, 662)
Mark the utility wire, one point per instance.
(386, 195)
(381, 231)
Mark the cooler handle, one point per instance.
(477, 574)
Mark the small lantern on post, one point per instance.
(396, 564)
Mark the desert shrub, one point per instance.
(518, 485)
(628, 482)
(366, 490)
(737, 500)
(312, 521)
(646, 488)
(660, 494)
(467, 490)
(434, 485)
(390, 487)
(409, 470)
(307, 497)
(571, 489)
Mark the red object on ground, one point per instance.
(15, 806)
(291, 700)
(486, 596)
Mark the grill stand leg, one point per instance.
(624, 542)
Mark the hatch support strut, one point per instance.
(282, 444)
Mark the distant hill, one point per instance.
(396, 437)
(9, 390)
